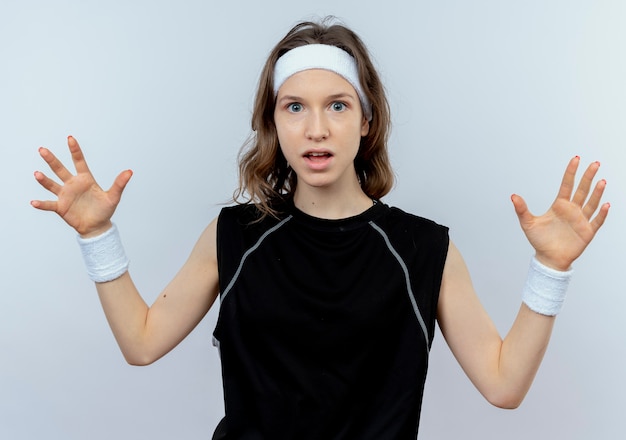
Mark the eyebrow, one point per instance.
(330, 97)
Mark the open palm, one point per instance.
(561, 234)
(81, 202)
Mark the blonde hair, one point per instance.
(264, 175)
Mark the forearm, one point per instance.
(107, 265)
(520, 356)
(127, 315)
(145, 334)
(523, 349)
(502, 370)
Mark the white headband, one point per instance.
(321, 56)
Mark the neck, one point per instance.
(328, 204)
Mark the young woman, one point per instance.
(328, 297)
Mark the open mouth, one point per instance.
(314, 156)
(318, 160)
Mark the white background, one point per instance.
(488, 98)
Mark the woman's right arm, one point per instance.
(143, 333)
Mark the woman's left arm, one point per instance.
(503, 370)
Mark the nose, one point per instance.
(317, 127)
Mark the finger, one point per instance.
(567, 184)
(44, 205)
(585, 183)
(47, 183)
(595, 198)
(521, 209)
(55, 164)
(119, 184)
(77, 155)
(598, 221)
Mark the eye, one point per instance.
(338, 106)
(294, 107)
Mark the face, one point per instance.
(320, 123)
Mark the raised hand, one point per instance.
(561, 234)
(81, 202)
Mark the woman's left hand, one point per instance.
(561, 234)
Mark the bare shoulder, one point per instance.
(207, 243)
(198, 278)
(456, 278)
(202, 262)
(459, 308)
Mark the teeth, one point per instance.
(317, 154)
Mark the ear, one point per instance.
(365, 127)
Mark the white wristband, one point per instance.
(545, 288)
(104, 256)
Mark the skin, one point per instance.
(319, 112)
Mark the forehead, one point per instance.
(315, 81)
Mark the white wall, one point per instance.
(489, 98)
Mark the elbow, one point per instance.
(138, 362)
(506, 400)
(141, 353)
(506, 404)
(139, 359)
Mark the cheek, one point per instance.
(284, 143)
(282, 139)
(285, 132)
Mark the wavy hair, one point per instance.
(264, 175)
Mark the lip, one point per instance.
(318, 151)
(318, 159)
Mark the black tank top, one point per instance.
(325, 326)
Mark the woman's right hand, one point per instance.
(81, 203)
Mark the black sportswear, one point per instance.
(325, 326)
